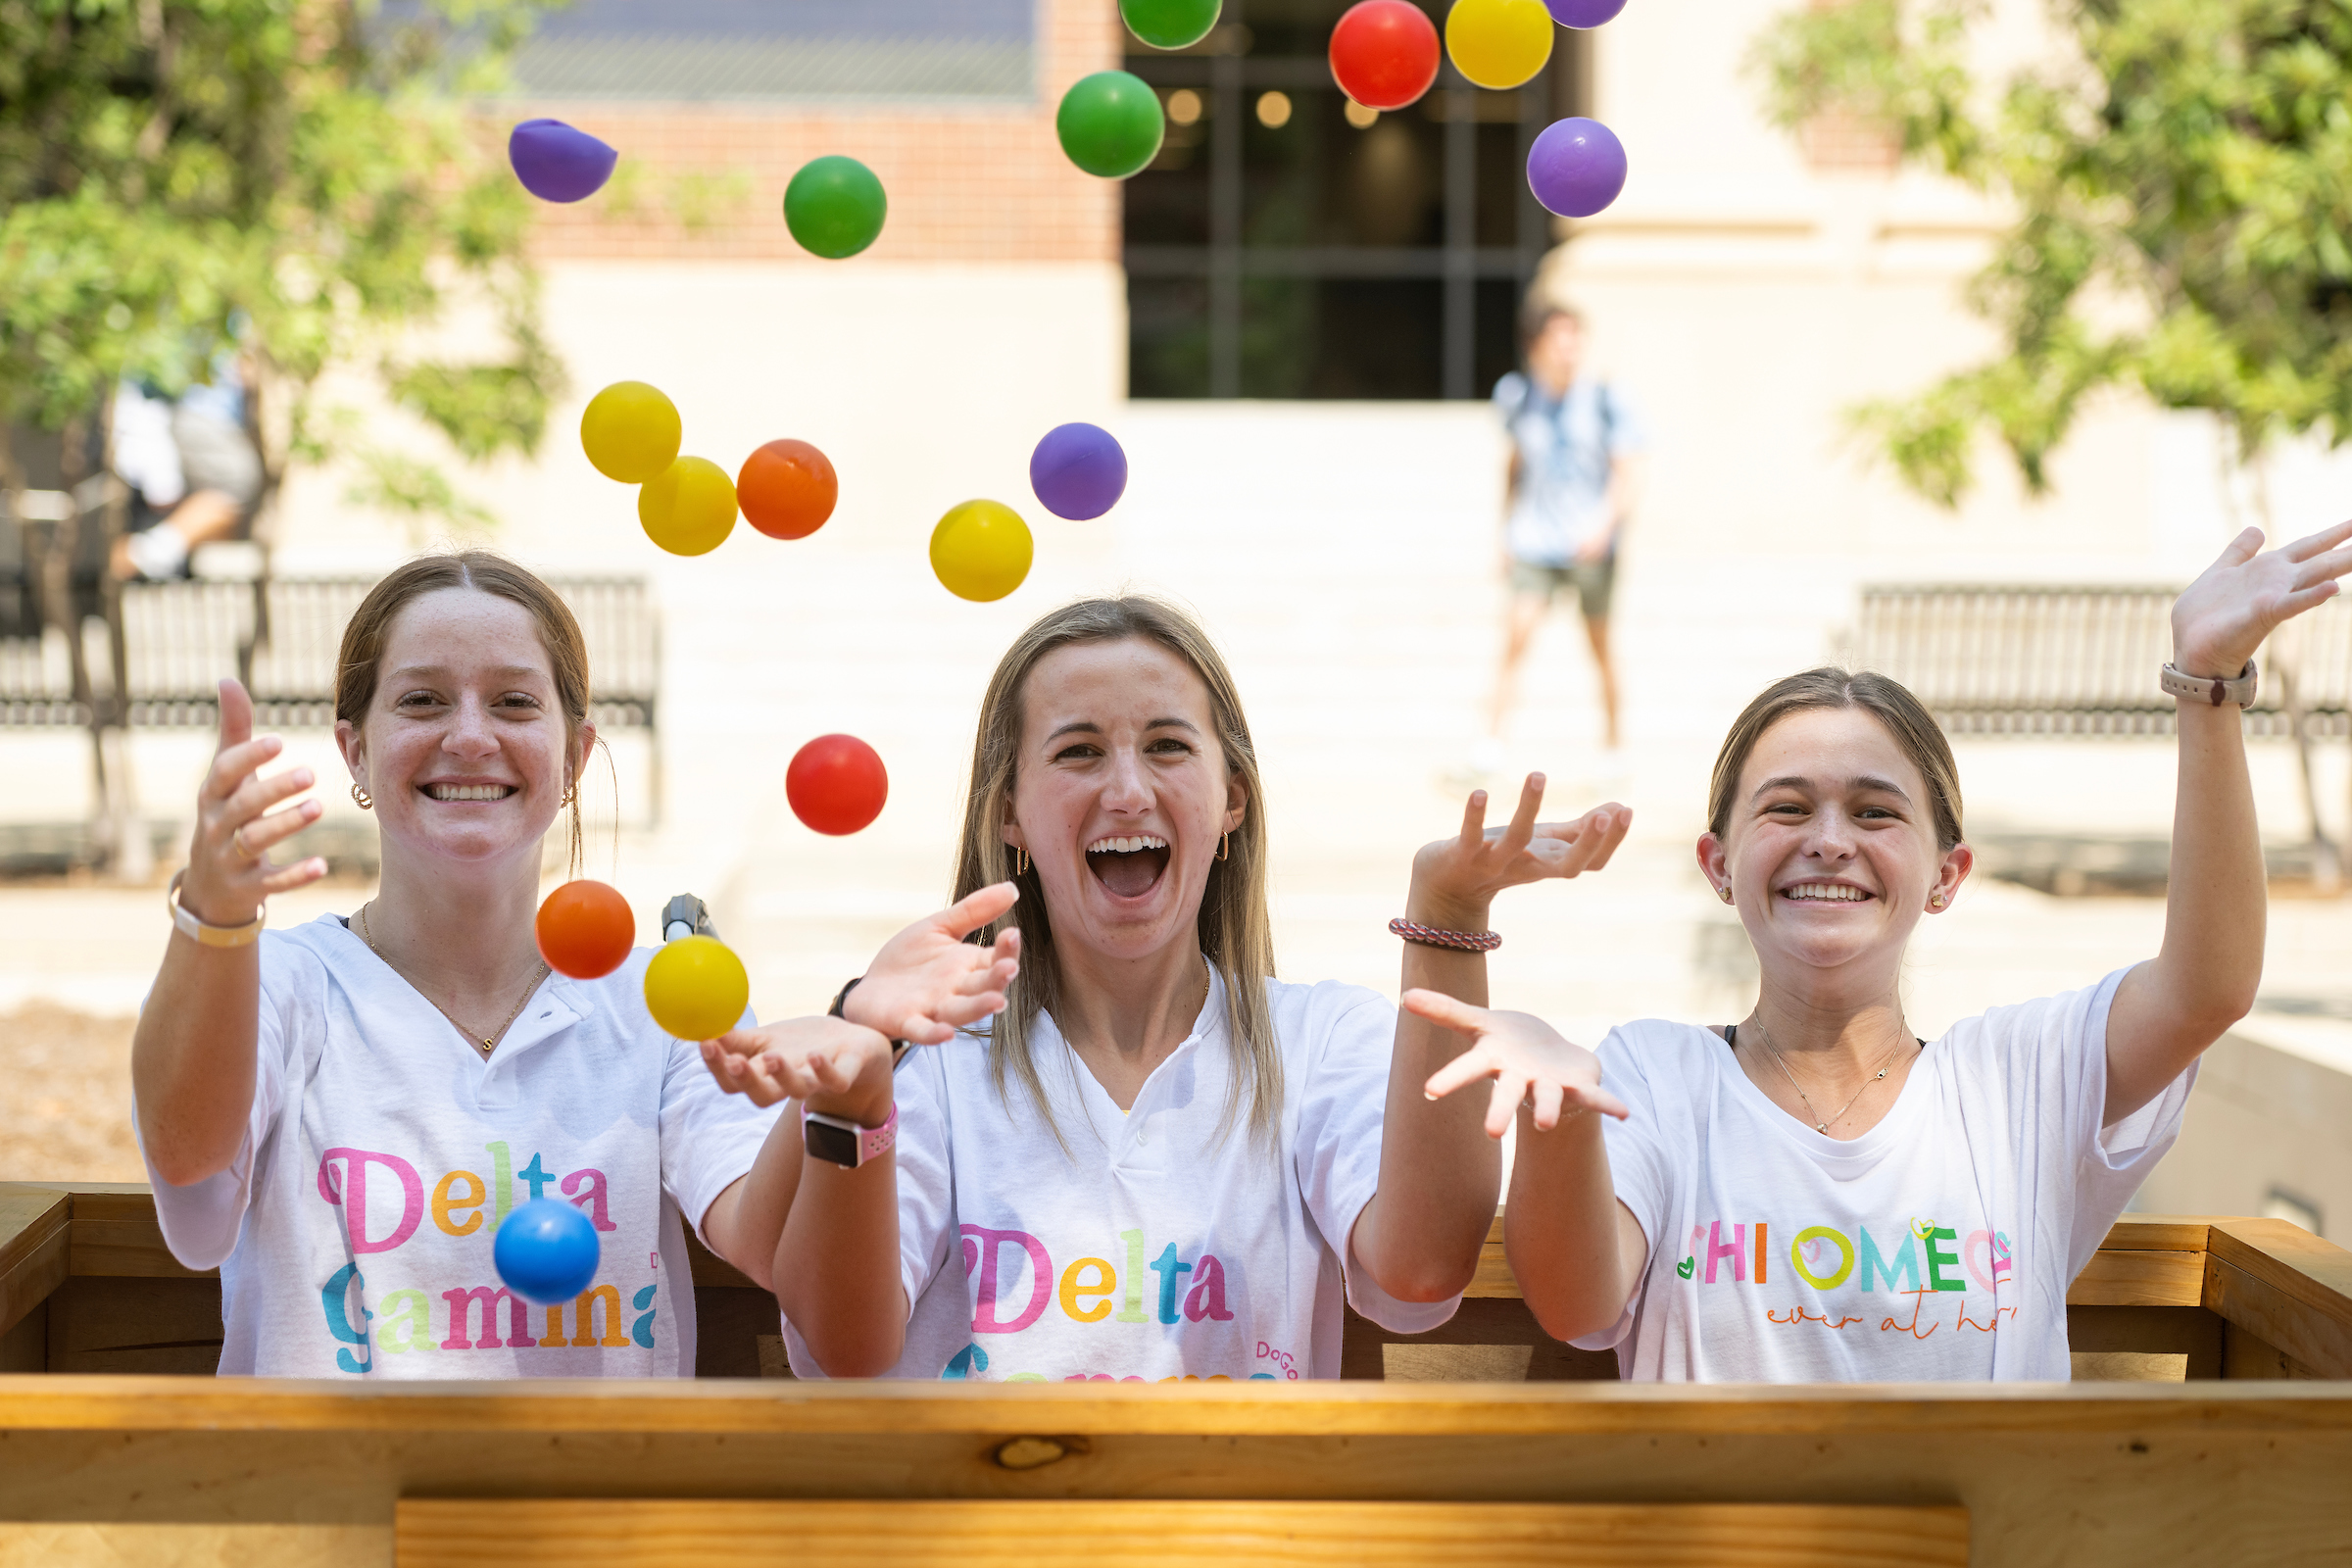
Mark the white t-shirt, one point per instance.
(353, 1230)
(1159, 1246)
(1937, 1247)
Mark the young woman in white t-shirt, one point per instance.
(1816, 1193)
(339, 1115)
(1160, 1161)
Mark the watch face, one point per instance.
(836, 1143)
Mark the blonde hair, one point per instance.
(370, 628)
(1883, 697)
(1235, 929)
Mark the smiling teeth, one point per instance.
(469, 792)
(1824, 893)
(1127, 845)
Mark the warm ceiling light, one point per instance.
(1360, 116)
(1273, 110)
(1183, 106)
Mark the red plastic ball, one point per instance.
(836, 784)
(585, 930)
(787, 489)
(1384, 53)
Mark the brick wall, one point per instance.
(979, 183)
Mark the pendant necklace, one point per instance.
(485, 1044)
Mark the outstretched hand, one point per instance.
(1464, 872)
(229, 872)
(1528, 1060)
(2220, 619)
(830, 1065)
(927, 981)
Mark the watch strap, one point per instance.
(869, 1143)
(839, 1010)
(2213, 689)
(211, 936)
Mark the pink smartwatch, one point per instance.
(846, 1143)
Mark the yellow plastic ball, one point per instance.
(630, 433)
(695, 988)
(689, 507)
(981, 550)
(1499, 43)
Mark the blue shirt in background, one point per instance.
(1567, 447)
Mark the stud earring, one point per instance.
(365, 801)
(1936, 901)
(1726, 891)
(571, 795)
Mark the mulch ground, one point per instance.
(64, 1096)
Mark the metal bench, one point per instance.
(180, 638)
(2000, 660)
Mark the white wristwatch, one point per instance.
(844, 1141)
(2212, 689)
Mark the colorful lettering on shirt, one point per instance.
(1208, 1297)
(406, 1323)
(502, 1182)
(1718, 1250)
(335, 1297)
(1874, 1263)
(1189, 1290)
(519, 1318)
(1940, 1260)
(349, 1192)
(537, 1175)
(642, 1331)
(1930, 1259)
(447, 1201)
(1167, 1268)
(1810, 1237)
(586, 1306)
(982, 1248)
(1131, 1309)
(592, 1200)
(1102, 1282)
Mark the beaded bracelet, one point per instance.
(1430, 936)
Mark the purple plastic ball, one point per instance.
(1078, 471)
(1583, 13)
(1577, 167)
(558, 163)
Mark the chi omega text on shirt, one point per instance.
(1820, 1275)
(1015, 1282)
(382, 1203)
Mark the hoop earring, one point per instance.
(365, 799)
(1225, 846)
(1020, 861)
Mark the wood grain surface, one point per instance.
(580, 1533)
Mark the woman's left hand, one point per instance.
(1455, 879)
(1528, 1060)
(2220, 619)
(927, 981)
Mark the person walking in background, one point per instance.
(194, 468)
(1575, 478)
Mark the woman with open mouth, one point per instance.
(1158, 1161)
(1815, 1194)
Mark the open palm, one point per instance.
(1478, 863)
(2221, 618)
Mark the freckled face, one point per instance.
(1831, 853)
(464, 747)
(1120, 795)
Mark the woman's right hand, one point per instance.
(1455, 879)
(229, 872)
(927, 981)
(1526, 1058)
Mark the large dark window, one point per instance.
(1288, 244)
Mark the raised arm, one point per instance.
(1577, 1251)
(192, 1056)
(2203, 980)
(1421, 1233)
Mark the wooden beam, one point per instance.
(2287, 1288)
(34, 1244)
(2127, 1278)
(116, 1234)
(1007, 1532)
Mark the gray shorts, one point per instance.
(1594, 581)
(215, 455)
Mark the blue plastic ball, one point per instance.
(558, 163)
(1078, 471)
(546, 1252)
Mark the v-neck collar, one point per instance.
(1094, 1097)
(547, 1011)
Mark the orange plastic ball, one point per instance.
(586, 930)
(787, 489)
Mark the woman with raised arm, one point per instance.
(1816, 1193)
(340, 1114)
(1158, 1161)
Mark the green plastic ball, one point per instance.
(835, 207)
(1170, 24)
(1111, 124)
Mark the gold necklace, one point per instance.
(1820, 1126)
(485, 1044)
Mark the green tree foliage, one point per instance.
(2182, 190)
(297, 178)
